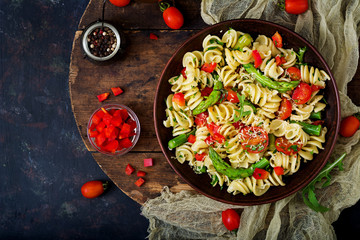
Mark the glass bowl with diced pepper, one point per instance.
(113, 129)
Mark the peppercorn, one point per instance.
(102, 42)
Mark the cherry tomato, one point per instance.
(93, 189)
(230, 219)
(257, 58)
(120, 3)
(279, 171)
(277, 39)
(232, 96)
(179, 99)
(349, 126)
(302, 93)
(283, 145)
(208, 67)
(260, 173)
(254, 139)
(285, 109)
(172, 16)
(200, 119)
(206, 91)
(294, 73)
(296, 6)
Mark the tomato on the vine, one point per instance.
(254, 139)
(93, 189)
(285, 146)
(120, 3)
(231, 219)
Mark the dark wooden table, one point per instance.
(45, 162)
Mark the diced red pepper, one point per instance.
(100, 127)
(277, 39)
(179, 99)
(132, 124)
(139, 182)
(183, 72)
(219, 138)
(96, 119)
(232, 96)
(280, 60)
(103, 96)
(125, 143)
(141, 173)
(125, 131)
(107, 119)
(200, 157)
(260, 173)
(213, 128)
(208, 67)
(209, 140)
(129, 169)
(148, 162)
(117, 121)
(93, 133)
(257, 58)
(124, 114)
(111, 146)
(206, 91)
(92, 127)
(191, 139)
(238, 125)
(153, 36)
(100, 139)
(200, 119)
(279, 171)
(109, 131)
(117, 91)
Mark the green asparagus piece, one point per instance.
(234, 173)
(309, 128)
(211, 100)
(244, 41)
(267, 82)
(181, 139)
(315, 115)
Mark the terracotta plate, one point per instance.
(202, 182)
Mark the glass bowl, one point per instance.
(134, 138)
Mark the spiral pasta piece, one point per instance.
(243, 56)
(289, 56)
(193, 59)
(271, 69)
(230, 60)
(264, 44)
(228, 76)
(199, 145)
(248, 185)
(313, 75)
(275, 180)
(313, 145)
(230, 38)
(222, 113)
(291, 131)
(184, 153)
(290, 164)
(213, 47)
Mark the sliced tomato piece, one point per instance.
(280, 60)
(96, 119)
(200, 157)
(153, 36)
(139, 182)
(125, 143)
(285, 109)
(183, 72)
(124, 114)
(206, 91)
(200, 119)
(279, 171)
(208, 67)
(283, 145)
(302, 93)
(129, 169)
(260, 173)
(109, 131)
(179, 99)
(277, 39)
(191, 139)
(213, 128)
(257, 58)
(254, 139)
(117, 91)
(103, 96)
(219, 138)
(294, 73)
(141, 174)
(232, 96)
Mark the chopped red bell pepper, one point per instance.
(117, 91)
(279, 171)
(125, 143)
(107, 119)
(148, 162)
(153, 36)
(132, 124)
(260, 173)
(93, 133)
(280, 60)
(213, 128)
(117, 121)
(277, 39)
(200, 157)
(125, 130)
(219, 138)
(96, 119)
(209, 140)
(179, 99)
(183, 72)
(315, 88)
(257, 58)
(141, 173)
(111, 146)
(124, 114)
(103, 96)
(100, 139)
(208, 67)
(129, 169)
(139, 182)
(191, 139)
(200, 119)
(100, 127)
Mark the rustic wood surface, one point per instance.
(137, 72)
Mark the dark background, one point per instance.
(43, 161)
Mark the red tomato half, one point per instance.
(200, 119)
(179, 99)
(230, 219)
(285, 109)
(93, 189)
(232, 96)
(349, 126)
(208, 67)
(120, 3)
(294, 73)
(277, 39)
(254, 139)
(302, 93)
(173, 18)
(283, 145)
(296, 6)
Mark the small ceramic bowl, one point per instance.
(88, 47)
(134, 138)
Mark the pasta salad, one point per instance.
(246, 112)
